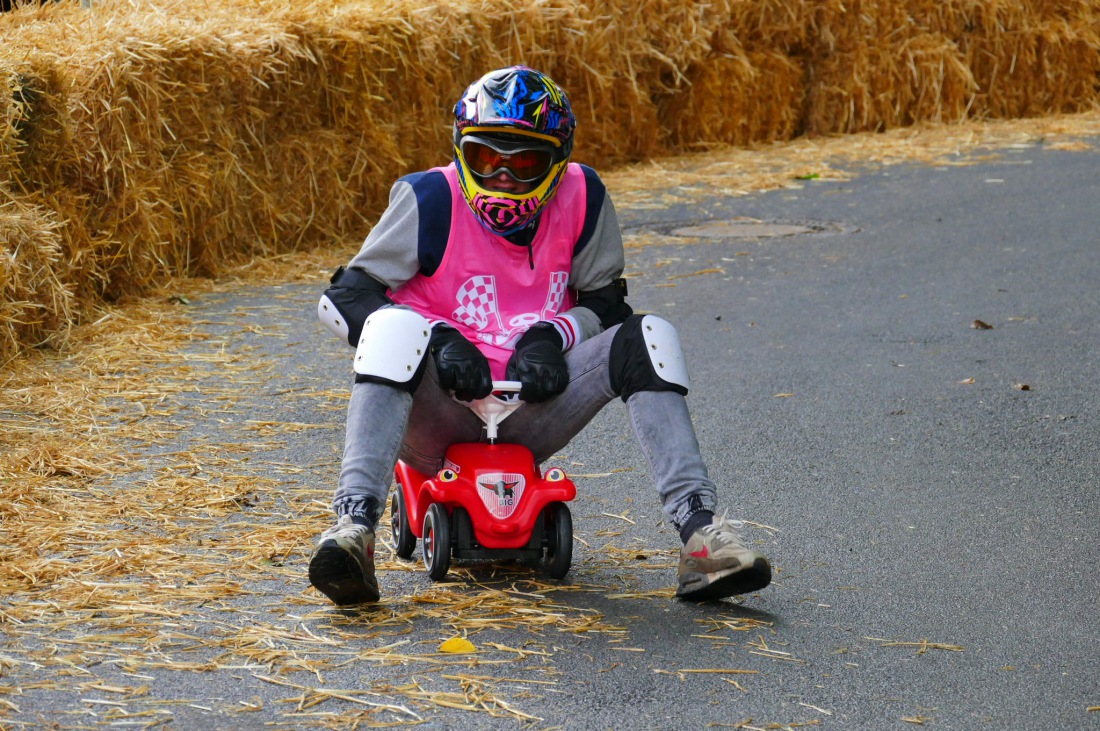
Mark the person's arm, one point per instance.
(391, 255)
(412, 234)
(597, 273)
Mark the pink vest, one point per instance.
(485, 285)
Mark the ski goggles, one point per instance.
(486, 158)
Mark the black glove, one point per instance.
(461, 366)
(539, 364)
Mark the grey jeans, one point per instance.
(385, 423)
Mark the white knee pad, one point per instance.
(393, 344)
(645, 356)
(662, 345)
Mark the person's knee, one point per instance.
(646, 356)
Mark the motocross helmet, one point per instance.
(516, 119)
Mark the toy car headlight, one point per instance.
(448, 475)
(555, 475)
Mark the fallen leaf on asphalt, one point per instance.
(1021, 386)
(783, 395)
(979, 325)
(458, 646)
(967, 381)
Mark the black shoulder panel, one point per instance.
(593, 205)
(433, 203)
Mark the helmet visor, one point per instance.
(484, 159)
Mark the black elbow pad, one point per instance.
(609, 303)
(354, 295)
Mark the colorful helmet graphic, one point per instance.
(516, 119)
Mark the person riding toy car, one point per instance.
(507, 264)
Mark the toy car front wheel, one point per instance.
(404, 542)
(559, 540)
(437, 541)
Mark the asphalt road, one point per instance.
(926, 489)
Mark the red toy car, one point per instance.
(490, 501)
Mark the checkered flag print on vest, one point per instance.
(477, 302)
(559, 281)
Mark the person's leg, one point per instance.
(376, 420)
(644, 366)
(545, 428)
(383, 422)
(660, 419)
(436, 421)
(666, 436)
(714, 562)
(377, 434)
(661, 424)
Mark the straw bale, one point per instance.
(736, 99)
(869, 87)
(146, 142)
(792, 28)
(884, 63)
(35, 303)
(1032, 59)
(883, 68)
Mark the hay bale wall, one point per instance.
(142, 141)
(35, 304)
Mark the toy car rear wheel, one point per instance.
(404, 542)
(559, 540)
(437, 542)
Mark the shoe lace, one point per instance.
(724, 532)
(345, 526)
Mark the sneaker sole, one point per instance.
(703, 588)
(335, 573)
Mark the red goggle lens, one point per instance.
(524, 165)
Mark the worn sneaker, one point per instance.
(343, 566)
(715, 564)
